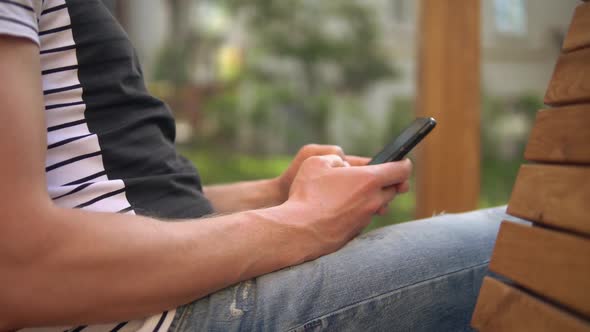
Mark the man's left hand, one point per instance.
(284, 180)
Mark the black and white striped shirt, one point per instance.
(109, 142)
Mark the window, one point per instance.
(510, 17)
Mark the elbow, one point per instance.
(27, 232)
(6, 324)
(27, 236)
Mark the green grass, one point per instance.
(497, 178)
(217, 167)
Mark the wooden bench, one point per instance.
(546, 266)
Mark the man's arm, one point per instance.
(247, 195)
(93, 260)
(48, 254)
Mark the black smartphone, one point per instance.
(405, 142)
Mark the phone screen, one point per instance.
(405, 142)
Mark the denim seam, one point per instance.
(369, 299)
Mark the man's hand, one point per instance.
(284, 180)
(337, 201)
(248, 195)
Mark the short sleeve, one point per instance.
(19, 18)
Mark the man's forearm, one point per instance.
(144, 266)
(246, 195)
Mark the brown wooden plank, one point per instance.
(578, 35)
(570, 83)
(449, 91)
(561, 135)
(551, 263)
(557, 196)
(504, 308)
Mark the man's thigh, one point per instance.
(421, 275)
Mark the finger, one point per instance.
(403, 187)
(333, 160)
(391, 173)
(356, 160)
(388, 194)
(319, 150)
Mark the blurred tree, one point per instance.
(173, 61)
(328, 48)
(318, 34)
(296, 58)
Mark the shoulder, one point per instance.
(20, 18)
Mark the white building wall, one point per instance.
(515, 64)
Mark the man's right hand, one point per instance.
(337, 201)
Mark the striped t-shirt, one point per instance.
(110, 144)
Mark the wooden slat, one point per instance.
(570, 83)
(449, 90)
(551, 263)
(578, 35)
(561, 135)
(503, 308)
(558, 196)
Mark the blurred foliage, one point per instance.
(306, 69)
(184, 45)
(218, 167)
(172, 64)
(505, 123)
(498, 172)
(223, 120)
(317, 34)
(401, 115)
(300, 58)
(505, 126)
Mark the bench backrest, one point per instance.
(546, 266)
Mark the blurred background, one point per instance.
(251, 81)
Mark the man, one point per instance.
(99, 228)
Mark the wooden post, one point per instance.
(448, 164)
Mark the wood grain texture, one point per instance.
(551, 263)
(557, 196)
(578, 35)
(449, 91)
(561, 135)
(570, 83)
(503, 308)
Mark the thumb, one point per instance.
(392, 172)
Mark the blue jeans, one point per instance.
(417, 276)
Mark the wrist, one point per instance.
(288, 225)
(278, 189)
